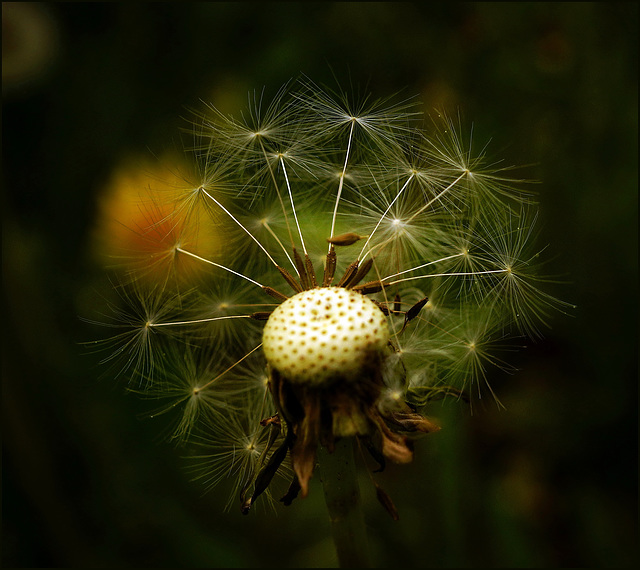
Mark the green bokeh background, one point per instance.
(549, 482)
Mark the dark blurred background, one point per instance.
(549, 482)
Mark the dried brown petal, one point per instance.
(394, 446)
(396, 449)
(413, 422)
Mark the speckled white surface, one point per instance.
(324, 333)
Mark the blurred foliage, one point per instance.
(551, 481)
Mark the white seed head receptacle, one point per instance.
(324, 334)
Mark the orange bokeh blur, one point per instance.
(142, 219)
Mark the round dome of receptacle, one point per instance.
(324, 334)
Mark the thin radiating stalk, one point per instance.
(230, 367)
(275, 186)
(419, 211)
(267, 227)
(436, 198)
(241, 226)
(342, 496)
(423, 266)
(344, 170)
(384, 215)
(457, 274)
(218, 265)
(293, 208)
(198, 321)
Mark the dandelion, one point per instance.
(364, 266)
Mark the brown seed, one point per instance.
(348, 274)
(329, 267)
(290, 279)
(260, 315)
(370, 287)
(275, 294)
(361, 273)
(345, 239)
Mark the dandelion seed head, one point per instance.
(319, 335)
(426, 270)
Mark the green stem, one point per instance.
(342, 495)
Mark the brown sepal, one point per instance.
(266, 475)
(305, 444)
(394, 446)
(386, 502)
(413, 422)
(292, 492)
(375, 453)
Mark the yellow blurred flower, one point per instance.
(140, 224)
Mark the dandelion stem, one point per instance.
(342, 496)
